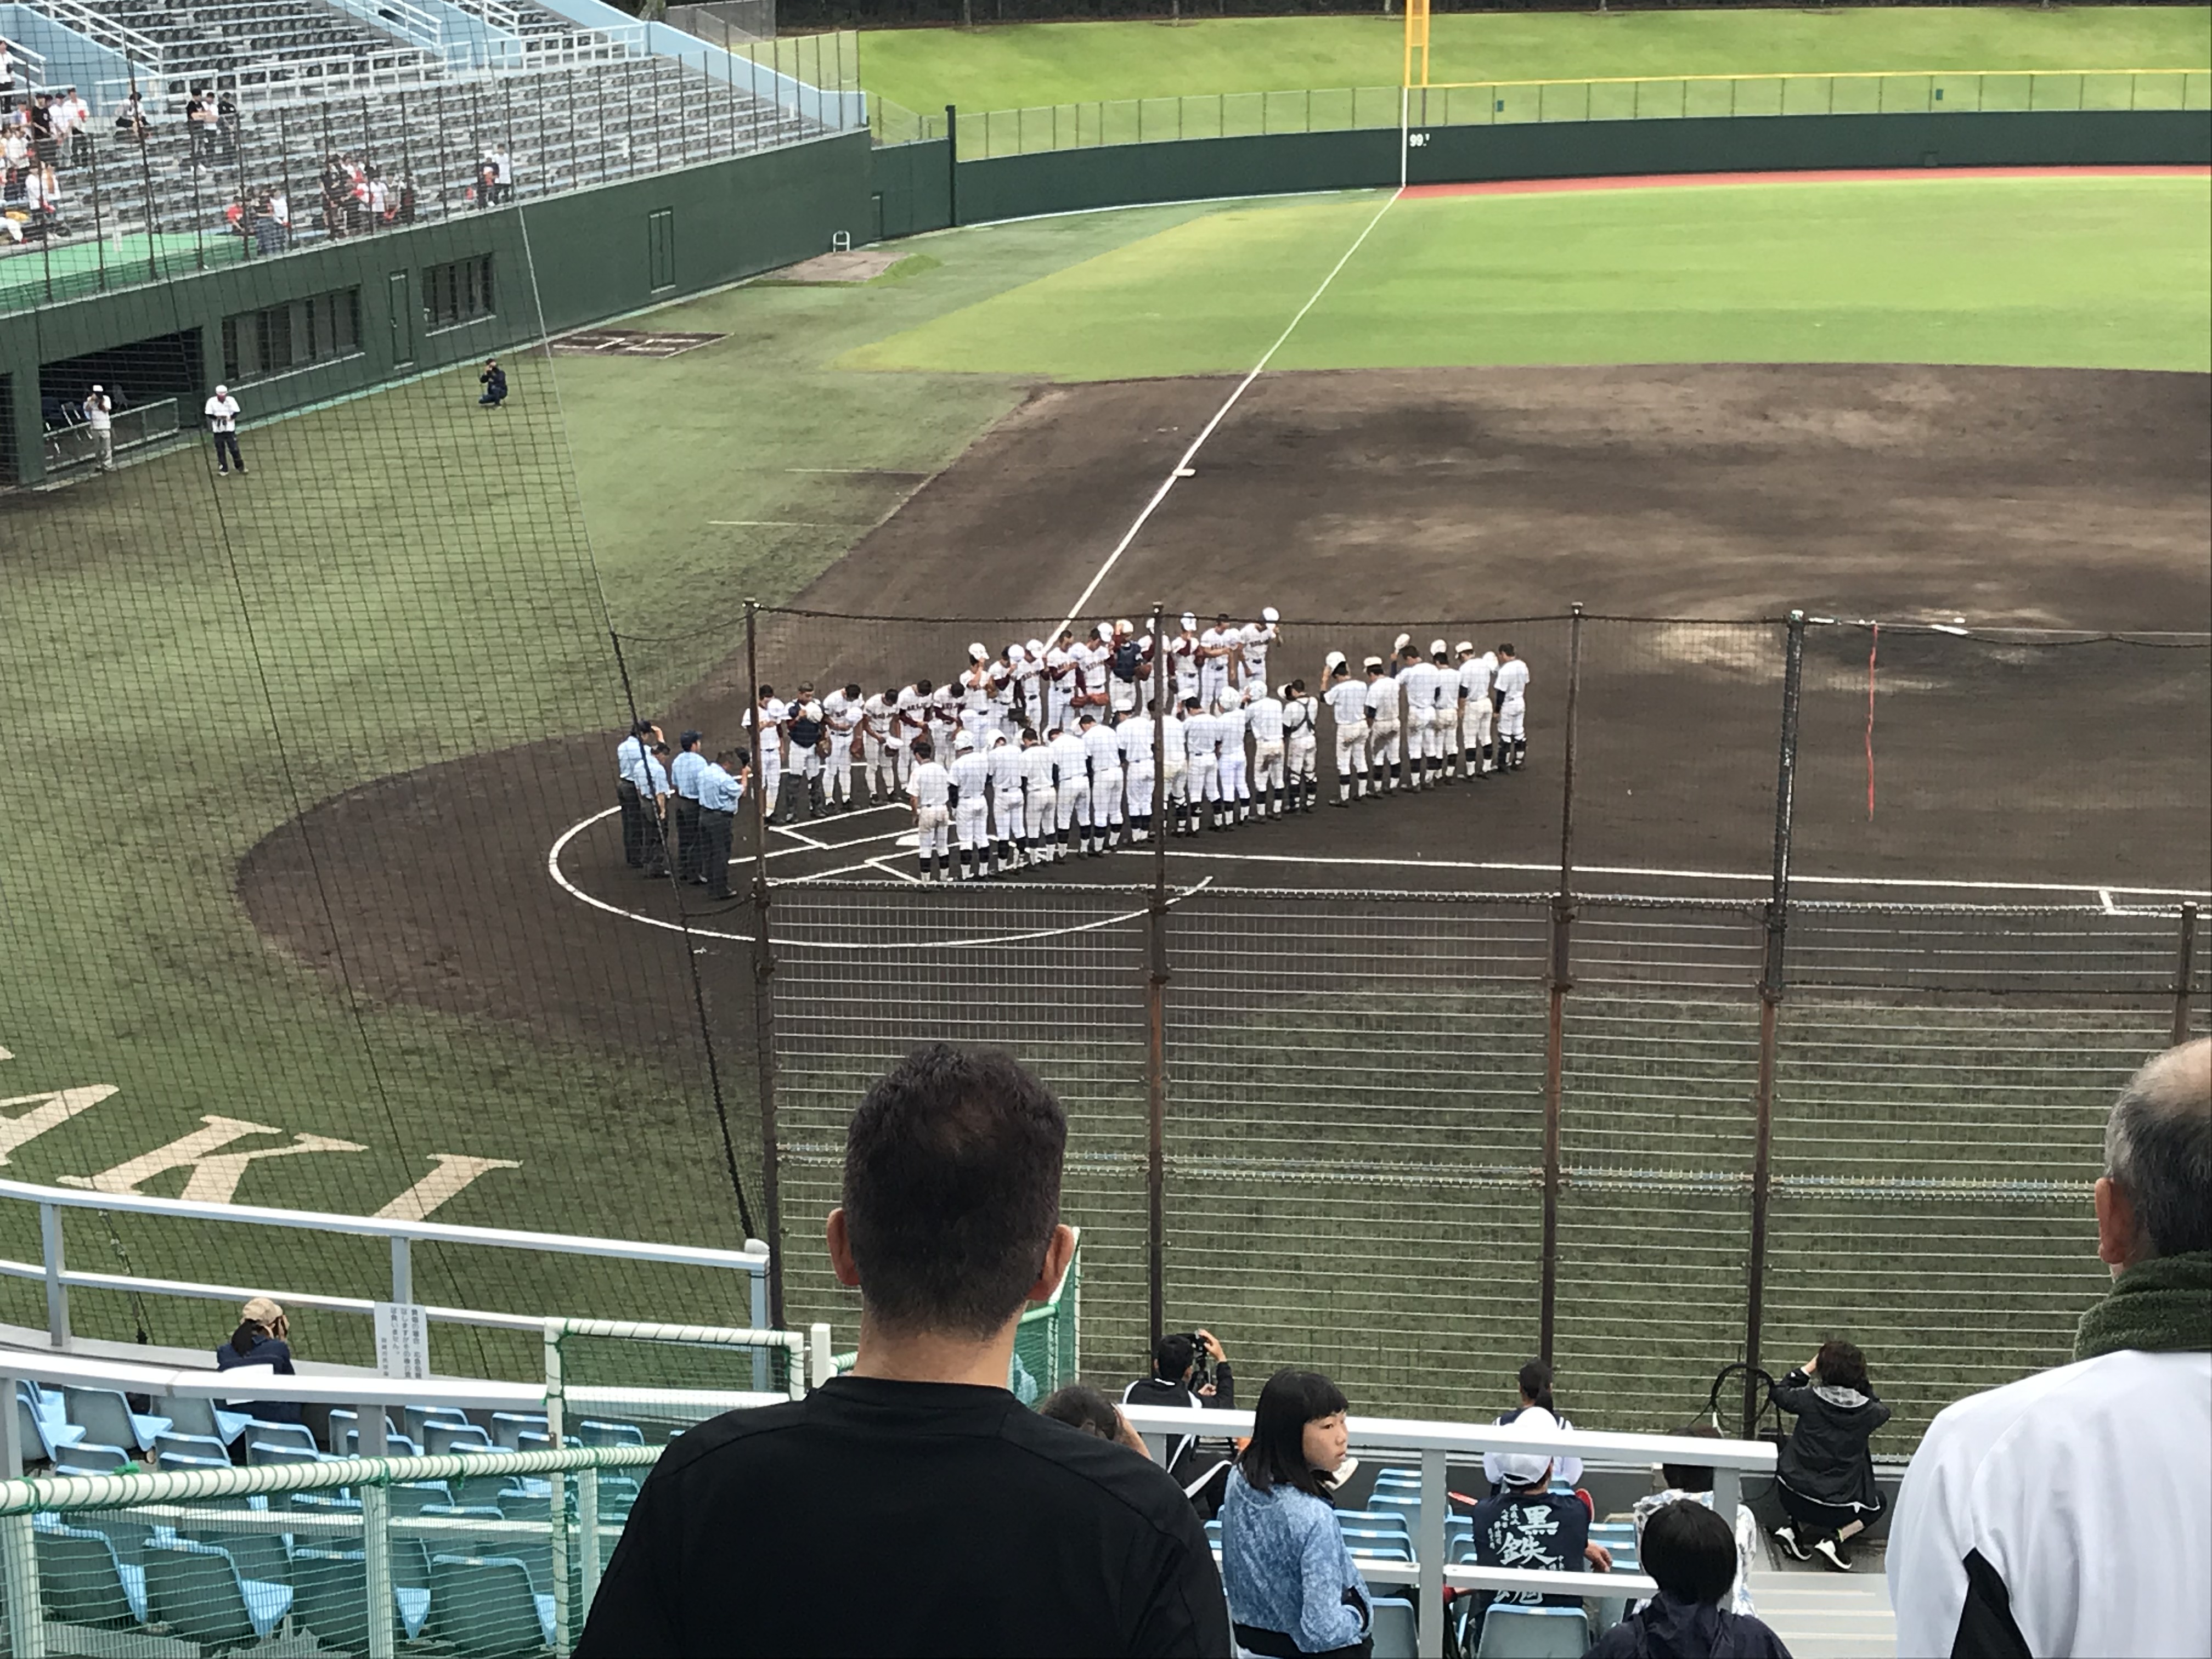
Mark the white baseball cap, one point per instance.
(997, 738)
(1401, 643)
(1436, 647)
(1269, 614)
(1336, 660)
(1125, 626)
(99, 388)
(977, 653)
(1036, 647)
(1231, 697)
(223, 391)
(963, 743)
(1464, 648)
(811, 710)
(1525, 1468)
(1374, 662)
(1014, 652)
(1189, 619)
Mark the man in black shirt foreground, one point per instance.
(914, 1506)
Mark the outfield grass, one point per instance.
(1030, 64)
(2104, 273)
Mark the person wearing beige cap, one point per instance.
(259, 1340)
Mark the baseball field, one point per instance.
(307, 830)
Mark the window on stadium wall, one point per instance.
(456, 294)
(319, 329)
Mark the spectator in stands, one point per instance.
(1175, 1383)
(493, 382)
(2071, 1512)
(39, 117)
(1293, 1589)
(73, 115)
(269, 231)
(1086, 1408)
(199, 122)
(1826, 1475)
(131, 117)
(7, 69)
(336, 186)
(262, 1339)
(1693, 1483)
(1529, 1525)
(913, 1505)
(1535, 1380)
(228, 126)
(99, 416)
(1688, 1552)
(502, 171)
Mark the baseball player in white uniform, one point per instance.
(1182, 662)
(1300, 744)
(1175, 774)
(971, 807)
(944, 717)
(1263, 719)
(1106, 784)
(1029, 683)
(1412, 676)
(1255, 638)
(1512, 709)
(841, 714)
(1216, 646)
(1235, 788)
(1134, 728)
(1442, 761)
(1008, 824)
(1476, 672)
(1348, 701)
(1006, 690)
(976, 710)
(883, 746)
(1201, 742)
(1038, 822)
(1060, 682)
(929, 788)
(912, 722)
(1071, 792)
(768, 748)
(1383, 728)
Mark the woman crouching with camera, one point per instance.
(1293, 1589)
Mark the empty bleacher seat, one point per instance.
(1395, 1632)
(487, 1606)
(84, 1580)
(196, 1590)
(593, 1431)
(507, 1428)
(330, 1599)
(439, 1437)
(1388, 1502)
(258, 1452)
(1378, 1543)
(190, 1415)
(105, 1416)
(1512, 1632)
(42, 1437)
(417, 1416)
(85, 1458)
(278, 1434)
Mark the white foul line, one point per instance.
(1182, 467)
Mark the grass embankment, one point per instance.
(1009, 66)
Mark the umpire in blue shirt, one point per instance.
(722, 786)
(683, 774)
(632, 786)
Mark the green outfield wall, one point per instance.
(920, 187)
(577, 258)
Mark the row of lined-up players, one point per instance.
(991, 792)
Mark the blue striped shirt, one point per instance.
(718, 792)
(630, 761)
(685, 769)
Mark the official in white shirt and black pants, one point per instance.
(221, 412)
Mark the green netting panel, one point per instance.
(1047, 1346)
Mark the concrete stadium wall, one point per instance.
(916, 194)
(732, 219)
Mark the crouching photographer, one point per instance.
(1190, 1369)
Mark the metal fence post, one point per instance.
(50, 1246)
(18, 1556)
(1156, 1001)
(2185, 971)
(1771, 981)
(402, 1270)
(1560, 981)
(952, 164)
(376, 1551)
(764, 986)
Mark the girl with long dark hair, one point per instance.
(1293, 1589)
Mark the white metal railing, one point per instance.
(141, 424)
(1436, 1443)
(30, 65)
(402, 17)
(403, 1235)
(103, 30)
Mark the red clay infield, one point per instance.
(1860, 175)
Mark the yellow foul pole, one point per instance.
(1417, 42)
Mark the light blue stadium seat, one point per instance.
(84, 1580)
(487, 1606)
(594, 1432)
(417, 1416)
(395, 1445)
(1394, 1479)
(105, 1416)
(85, 1458)
(439, 1437)
(190, 1445)
(529, 1440)
(412, 1497)
(331, 1599)
(1512, 1632)
(508, 1427)
(1372, 1519)
(258, 1452)
(178, 1462)
(1378, 1543)
(41, 1436)
(196, 1589)
(1385, 1502)
(1395, 1632)
(259, 1557)
(190, 1415)
(280, 1434)
(617, 1495)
